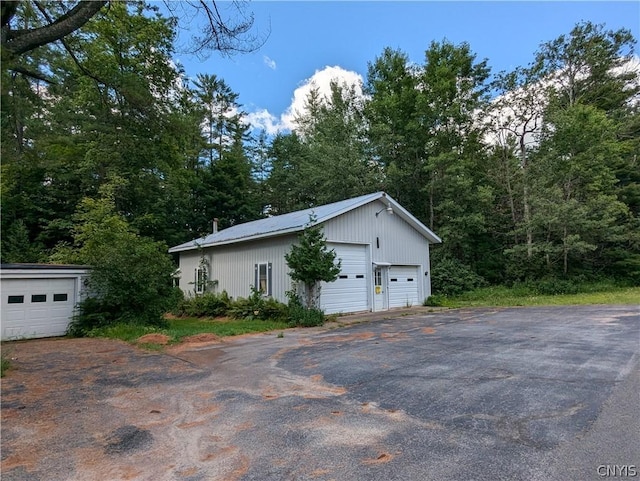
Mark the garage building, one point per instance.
(39, 300)
(383, 248)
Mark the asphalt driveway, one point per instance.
(482, 394)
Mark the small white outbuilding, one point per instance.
(39, 300)
(383, 248)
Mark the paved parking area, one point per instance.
(484, 394)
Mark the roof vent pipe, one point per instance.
(215, 225)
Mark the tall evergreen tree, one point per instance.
(221, 115)
(312, 262)
(287, 183)
(333, 129)
(395, 132)
(227, 190)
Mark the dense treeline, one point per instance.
(524, 174)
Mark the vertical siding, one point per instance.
(390, 237)
(233, 266)
(189, 262)
(399, 242)
(426, 276)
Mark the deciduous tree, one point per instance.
(130, 278)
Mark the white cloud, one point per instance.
(632, 66)
(321, 80)
(269, 62)
(264, 120)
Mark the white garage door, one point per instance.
(348, 293)
(403, 286)
(36, 307)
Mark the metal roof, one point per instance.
(32, 266)
(296, 221)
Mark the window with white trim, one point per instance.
(378, 276)
(200, 280)
(263, 278)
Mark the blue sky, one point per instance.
(305, 37)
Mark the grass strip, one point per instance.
(179, 328)
(502, 296)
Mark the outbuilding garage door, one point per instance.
(348, 293)
(36, 307)
(403, 286)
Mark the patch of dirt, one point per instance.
(366, 407)
(319, 472)
(61, 397)
(204, 337)
(241, 470)
(155, 338)
(394, 336)
(381, 459)
(359, 336)
(189, 345)
(269, 394)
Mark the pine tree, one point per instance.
(311, 262)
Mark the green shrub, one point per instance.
(92, 313)
(450, 277)
(206, 305)
(302, 316)
(95, 313)
(249, 307)
(578, 284)
(5, 363)
(274, 310)
(434, 301)
(130, 277)
(257, 307)
(216, 305)
(174, 299)
(554, 286)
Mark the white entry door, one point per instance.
(380, 290)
